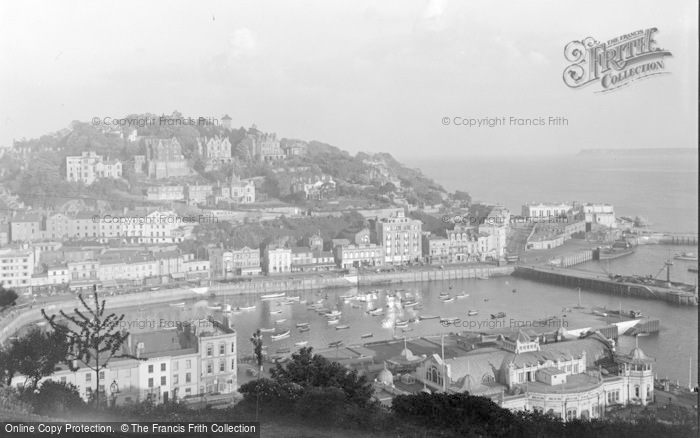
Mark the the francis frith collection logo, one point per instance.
(615, 63)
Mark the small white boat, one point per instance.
(267, 330)
(443, 295)
(463, 295)
(280, 336)
(686, 256)
(410, 303)
(293, 298)
(473, 312)
(214, 307)
(401, 322)
(449, 300)
(346, 296)
(335, 344)
(375, 311)
(448, 320)
(177, 304)
(342, 327)
(272, 296)
(227, 308)
(275, 312)
(333, 314)
(301, 343)
(302, 324)
(333, 321)
(367, 335)
(247, 308)
(422, 317)
(280, 321)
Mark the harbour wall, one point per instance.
(573, 279)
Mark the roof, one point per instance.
(636, 357)
(552, 371)
(162, 341)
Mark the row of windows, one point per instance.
(222, 349)
(222, 366)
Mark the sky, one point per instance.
(360, 75)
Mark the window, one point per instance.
(636, 391)
(188, 378)
(88, 377)
(222, 350)
(102, 375)
(150, 368)
(176, 379)
(150, 382)
(176, 365)
(210, 367)
(63, 379)
(233, 347)
(162, 367)
(162, 380)
(210, 349)
(222, 368)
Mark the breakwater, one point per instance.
(591, 281)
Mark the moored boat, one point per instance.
(473, 312)
(463, 295)
(686, 256)
(335, 344)
(304, 329)
(246, 308)
(498, 315)
(422, 317)
(301, 343)
(177, 304)
(342, 327)
(410, 303)
(267, 330)
(302, 324)
(275, 312)
(280, 321)
(280, 336)
(367, 335)
(272, 296)
(449, 300)
(333, 314)
(334, 321)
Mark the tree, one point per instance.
(312, 370)
(257, 342)
(34, 356)
(8, 297)
(93, 338)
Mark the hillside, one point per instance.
(34, 169)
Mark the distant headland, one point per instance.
(651, 151)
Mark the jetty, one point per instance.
(615, 285)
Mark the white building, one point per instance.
(276, 260)
(401, 238)
(183, 360)
(599, 214)
(562, 378)
(89, 167)
(544, 210)
(16, 267)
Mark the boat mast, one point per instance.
(444, 373)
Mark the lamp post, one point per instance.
(114, 390)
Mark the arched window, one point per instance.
(487, 378)
(636, 391)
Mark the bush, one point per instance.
(11, 401)
(322, 405)
(56, 399)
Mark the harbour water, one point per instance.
(531, 302)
